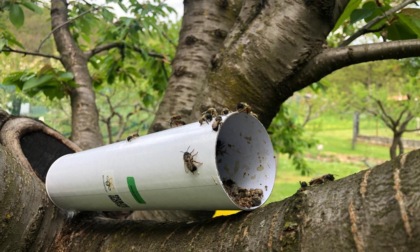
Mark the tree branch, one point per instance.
(412, 130)
(385, 114)
(365, 29)
(8, 49)
(61, 25)
(335, 58)
(406, 121)
(119, 44)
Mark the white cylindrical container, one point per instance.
(235, 165)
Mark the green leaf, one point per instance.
(36, 82)
(398, 31)
(65, 76)
(11, 40)
(360, 14)
(16, 15)
(411, 22)
(353, 4)
(2, 43)
(108, 16)
(33, 7)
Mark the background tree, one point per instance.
(386, 90)
(72, 26)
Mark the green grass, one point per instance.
(287, 179)
(339, 142)
(337, 157)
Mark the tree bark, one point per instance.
(85, 118)
(255, 65)
(374, 210)
(29, 221)
(205, 25)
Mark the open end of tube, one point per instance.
(246, 161)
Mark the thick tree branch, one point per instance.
(335, 58)
(205, 25)
(375, 208)
(280, 38)
(365, 29)
(85, 119)
(8, 49)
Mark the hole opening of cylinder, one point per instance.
(245, 160)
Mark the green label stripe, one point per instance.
(133, 189)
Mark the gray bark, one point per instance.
(85, 118)
(374, 210)
(204, 28)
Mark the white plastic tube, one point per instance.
(149, 172)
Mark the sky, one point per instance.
(178, 5)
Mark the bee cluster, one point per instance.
(316, 181)
(243, 196)
(209, 114)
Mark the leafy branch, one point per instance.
(367, 28)
(63, 24)
(122, 44)
(8, 49)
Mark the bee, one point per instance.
(217, 123)
(322, 179)
(211, 111)
(244, 107)
(176, 121)
(303, 186)
(189, 163)
(135, 135)
(205, 118)
(225, 111)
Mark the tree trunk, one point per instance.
(396, 144)
(205, 25)
(374, 210)
(29, 221)
(356, 117)
(85, 118)
(257, 61)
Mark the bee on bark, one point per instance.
(211, 111)
(303, 186)
(217, 123)
(322, 179)
(205, 118)
(190, 164)
(176, 121)
(135, 135)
